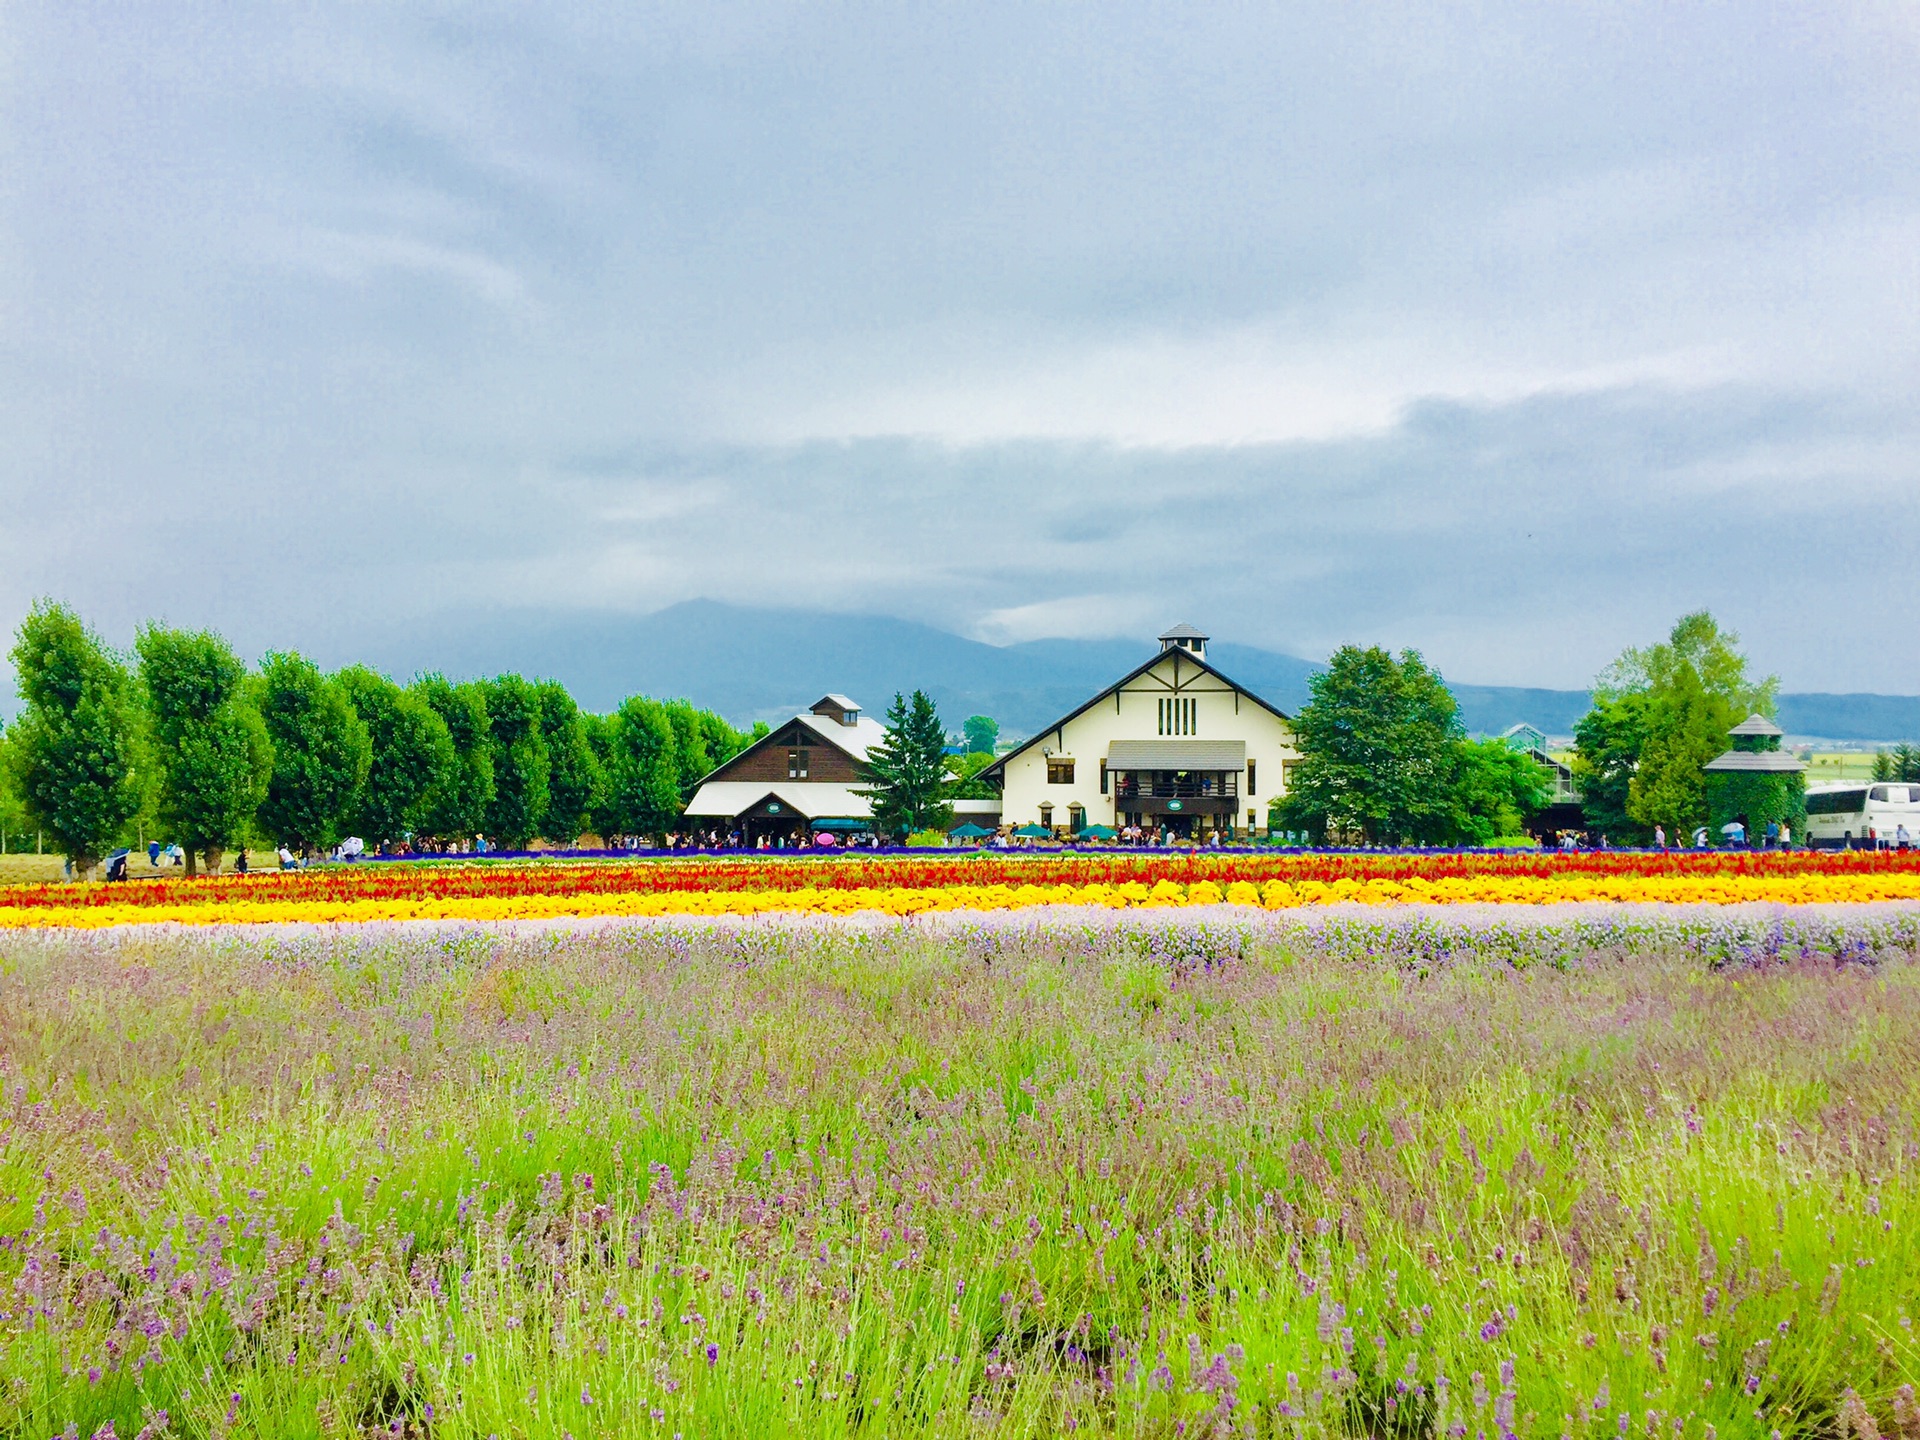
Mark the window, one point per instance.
(1103, 777)
(797, 764)
(1179, 717)
(1059, 772)
(1253, 784)
(1287, 767)
(1076, 817)
(1837, 802)
(1046, 816)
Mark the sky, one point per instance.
(1509, 332)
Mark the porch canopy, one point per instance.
(1177, 755)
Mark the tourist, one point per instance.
(286, 858)
(1659, 837)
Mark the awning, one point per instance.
(849, 826)
(1177, 755)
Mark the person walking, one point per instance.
(1660, 837)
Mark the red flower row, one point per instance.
(420, 880)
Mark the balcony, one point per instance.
(1131, 785)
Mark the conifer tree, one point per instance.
(910, 788)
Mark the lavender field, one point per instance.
(1464, 1175)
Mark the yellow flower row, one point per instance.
(902, 900)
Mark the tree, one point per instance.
(411, 756)
(909, 769)
(1906, 759)
(1495, 790)
(1659, 714)
(456, 808)
(320, 753)
(693, 760)
(73, 755)
(1378, 747)
(964, 770)
(640, 786)
(982, 732)
(573, 771)
(210, 745)
(1607, 744)
(1688, 728)
(520, 761)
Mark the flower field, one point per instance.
(709, 886)
(1594, 1170)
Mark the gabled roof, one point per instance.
(1184, 632)
(998, 769)
(837, 702)
(853, 741)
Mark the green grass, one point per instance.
(1023, 1181)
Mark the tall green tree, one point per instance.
(1607, 745)
(520, 761)
(982, 732)
(456, 808)
(410, 756)
(1495, 790)
(320, 753)
(1378, 743)
(573, 770)
(210, 745)
(73, 755)
(1660, 712)
(640, 786)
(909, 789)
(722, 741)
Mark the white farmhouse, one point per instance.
(1174, 743)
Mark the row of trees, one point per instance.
(182, 741)
(1385, 760)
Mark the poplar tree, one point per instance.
(210, 746)
(640, 786)
(320, 753)
(456, 808)
(73, 754)
(410, 756)
(520, 761)
(573, 771)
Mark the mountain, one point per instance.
(755, 664)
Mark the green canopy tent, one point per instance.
(1097, 832)
(1034, 832)
(968, 831)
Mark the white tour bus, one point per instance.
(1862, 816)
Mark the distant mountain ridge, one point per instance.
(758, 664)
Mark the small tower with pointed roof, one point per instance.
(1755, 782)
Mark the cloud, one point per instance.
(1509, 333)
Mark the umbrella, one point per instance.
(968, 831)
(1034, 832)
(1733, 827)
(1098, 832)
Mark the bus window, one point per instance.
(1880, 793)
(1838, 802)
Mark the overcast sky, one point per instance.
(1509, 332)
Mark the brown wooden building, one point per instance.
(800, 777)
